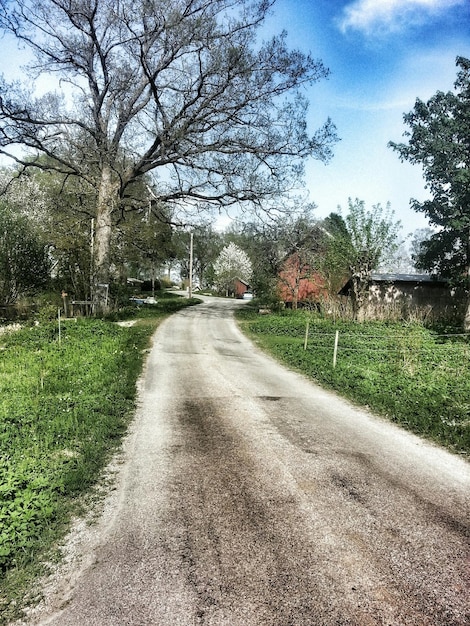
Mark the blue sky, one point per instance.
(382, 54)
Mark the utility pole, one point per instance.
(190, 290)
(92, 263)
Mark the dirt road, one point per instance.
(248, 496)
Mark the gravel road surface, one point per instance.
(248, 496)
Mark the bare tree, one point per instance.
(182, 88)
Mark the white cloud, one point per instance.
(379, 16)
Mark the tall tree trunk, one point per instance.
(466, 319)
(360, 278)
(295, 297)
(358, 297)
(107, 200)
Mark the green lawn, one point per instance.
(65, 403)
(416, 376)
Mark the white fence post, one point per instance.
(306, 334)
(335, 352)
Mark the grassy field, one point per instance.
(416, 376)
(65, 403)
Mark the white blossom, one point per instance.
(232, 263)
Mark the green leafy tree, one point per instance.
(334, 266)
(358, 245)
(63, 212)
(181, 88)
(143, 242)
(69, 220)
(439, 141)
(25, 251)
(207, 245)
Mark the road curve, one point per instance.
(248, 496)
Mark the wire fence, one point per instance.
(435, 347)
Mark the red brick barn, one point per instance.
(300, 284)
(240, 287)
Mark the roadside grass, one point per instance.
(65, 404)
(414, 375)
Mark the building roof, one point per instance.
(242, 281)
(405, 278)
(398, 278)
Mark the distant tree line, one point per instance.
(47, 244)
(174, 110)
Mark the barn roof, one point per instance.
(242, 281)
(398, 278)
(405, 278)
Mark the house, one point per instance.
(299, 284)
(405, 294)
(240, 287)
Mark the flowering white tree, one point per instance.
(231, 263)
(25, 196)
